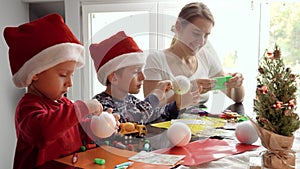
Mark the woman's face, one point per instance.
(194, 35)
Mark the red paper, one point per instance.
(207, 150)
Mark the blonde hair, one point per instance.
(192, 11)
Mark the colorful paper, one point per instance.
(220, 82)
(201, 124)
(156, 158)
(203, 151)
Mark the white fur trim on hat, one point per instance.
(48, 58)
(128, 59)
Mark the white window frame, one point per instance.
(83, 79)
(77, 19)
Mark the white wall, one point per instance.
(12, 13)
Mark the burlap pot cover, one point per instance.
(279, 153)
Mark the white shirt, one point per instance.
(157, 67)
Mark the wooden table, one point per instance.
(157, 137)
(112, 156)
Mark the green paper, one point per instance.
(220, 82)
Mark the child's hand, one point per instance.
(117, 117)
(165, 85)
(162, 88)
(94, 106)
(189, 98)
(105, 124)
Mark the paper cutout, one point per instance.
(220, 82)
(188, 121)
(202, 151)
(156, 158)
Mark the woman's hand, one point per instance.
(205, 84)
(236, 81)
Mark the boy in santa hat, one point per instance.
(43, 56)
(119, 62)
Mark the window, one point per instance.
(283, 28)
(243, 30)
(103, 20)
(235, 36)
(232, 36)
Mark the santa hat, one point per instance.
(39, 45)
(116, 52)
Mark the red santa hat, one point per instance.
(39, 45)
(116, 52)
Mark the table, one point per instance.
(241, 161)
(112, 156)
(158, 139)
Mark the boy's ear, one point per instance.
(112, 78)
(177, 26)
(35, 77)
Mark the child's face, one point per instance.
(131, 79)
(54, 82)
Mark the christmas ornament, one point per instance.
(181, 84)
(246, 133)
(179, 134)
(103, 125)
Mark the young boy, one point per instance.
(119, 62)
(43, 56)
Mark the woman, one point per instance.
(189, 56)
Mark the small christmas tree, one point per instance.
(275, 101)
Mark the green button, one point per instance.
(99, 161)
(83, 148)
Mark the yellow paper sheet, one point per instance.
(208, 122)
